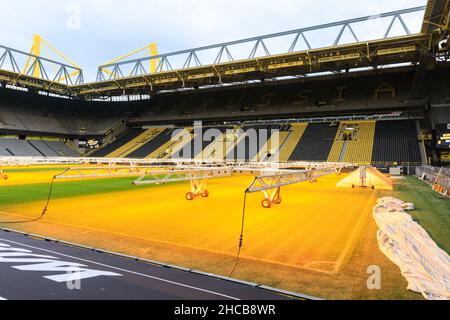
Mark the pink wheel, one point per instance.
(277, 200)
(205, 194)
(5, 177)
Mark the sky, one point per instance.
(92, 32)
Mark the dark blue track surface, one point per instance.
(32, 269)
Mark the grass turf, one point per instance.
(37, 169)
(432, 210)
(17, 194)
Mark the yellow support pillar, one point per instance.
(153, 53)
(36, 51)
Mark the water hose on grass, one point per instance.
(47, 203)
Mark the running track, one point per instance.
(35, 269)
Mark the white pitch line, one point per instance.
(125, 270)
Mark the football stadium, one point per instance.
(258, 169)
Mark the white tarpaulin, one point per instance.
(425, 266)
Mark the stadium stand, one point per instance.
(35, 113)
(44, 148)
(311, 129)
(387, 142)
(135, 143)
(289, 140)
(281, 99)
(354, 143)
(194, 149)
(20, 148)
(62, 149)
(244, 149)
(275, 141)
(35, 148)
(155, 145)
(396, 142)
(118, 143)
(316, 143)
(216, 148)
(171, 142)
(178, 143)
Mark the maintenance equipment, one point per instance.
(270, 185)
(198, 178)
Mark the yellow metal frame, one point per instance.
(36, 50)
(152, 49)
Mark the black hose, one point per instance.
(45, 209)
(241, 237)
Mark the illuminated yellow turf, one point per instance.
(34, 177)
(316, 227)
(21, 178)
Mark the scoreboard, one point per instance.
(443, 138)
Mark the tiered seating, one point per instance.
(43, 148)
(37, 121)
(24, 118)
(358, 148)
(189, 151)
(336, 149)
(62, 149)
(178, 145)
(275, 141)
(290, 140)
(151, 146)
(135, 143)
(35, 148)
(8, 120)
(172, 144)
(28, 112)
(96, 124)
(19, 148)
(120, 141)
(396, 142)
(315, 145)
(359, 142)
(248, 146)
(216, 149)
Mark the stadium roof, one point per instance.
(135, 76)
